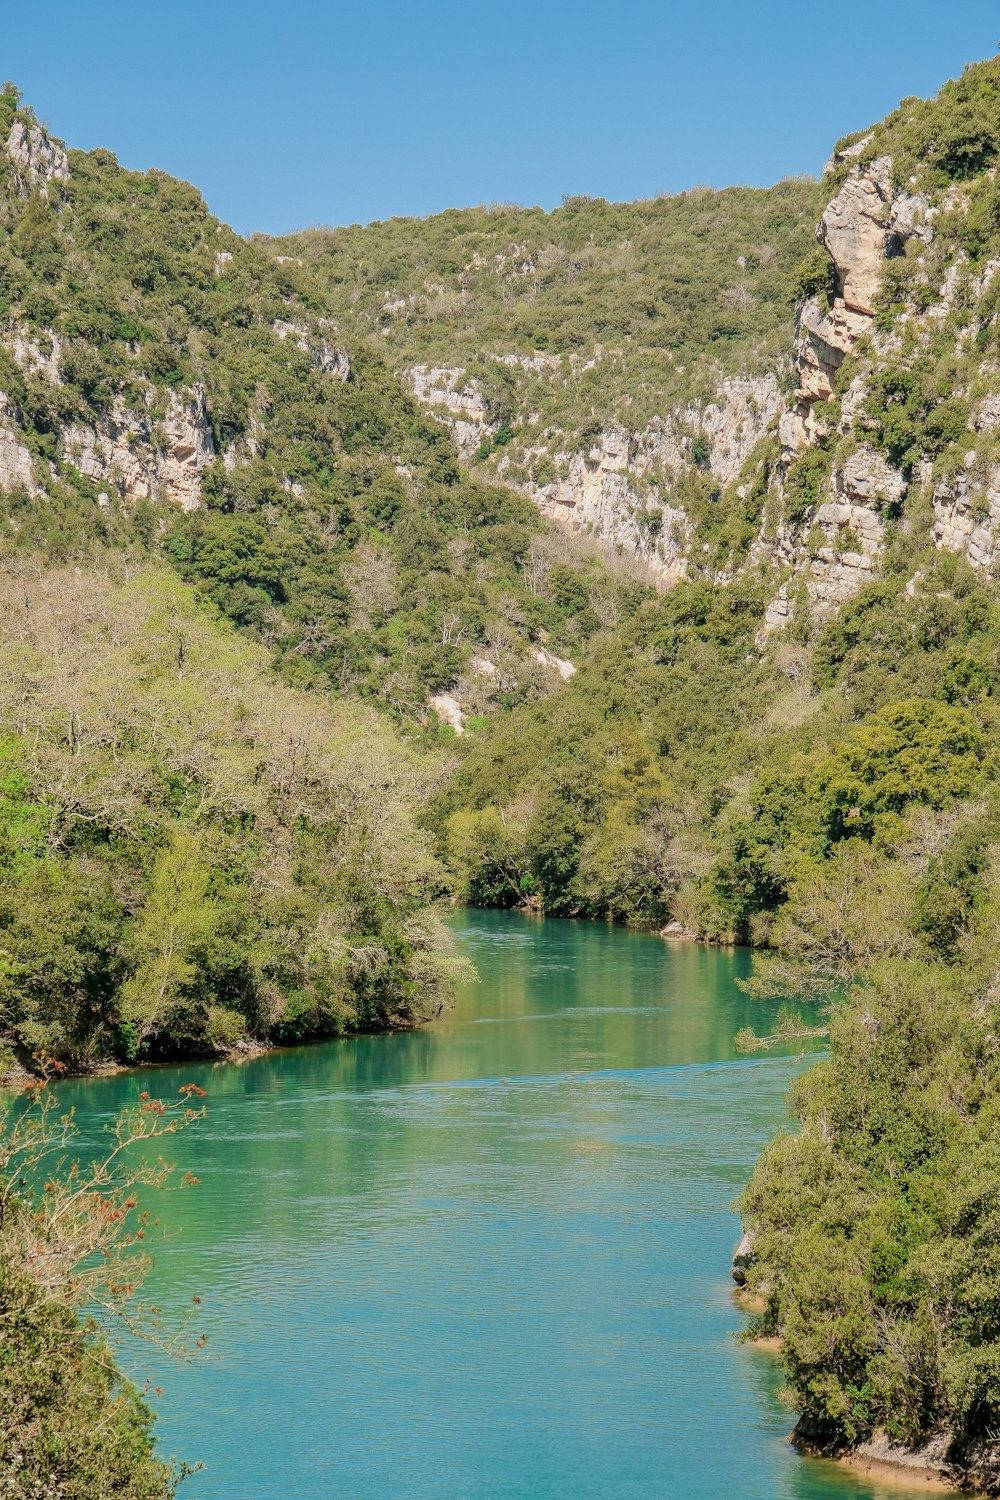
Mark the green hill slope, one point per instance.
(168, 385)
(663, 296)
(611, 361)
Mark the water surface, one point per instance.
(485, 1261)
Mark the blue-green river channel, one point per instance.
(487, 1260)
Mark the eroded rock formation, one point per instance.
(145, 459)
(36, 158)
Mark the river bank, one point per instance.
(925, 1468)
(18, 1074)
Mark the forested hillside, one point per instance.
(169, 386)
(655, 298)
(613, 361)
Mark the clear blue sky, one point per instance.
(301, 112)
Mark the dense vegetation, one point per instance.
(875, 1224)
(637, 309)
(68, 1420)
(73, 1239)
(191, 853)
(638, 793)
(336, 524)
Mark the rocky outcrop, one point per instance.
(855, 230)
(835, 550)
(457, 399)
(599, 496)
(605, 489)
(735, 422)
(320, 345)
(546, 658)
(927, 1463)
(16, 467)
(742, 1258)
(823, 337)
(35, 157)
(246, 448)
(726, 430)
(145, 459)
(448, 710)
(36, 353)
(967, 519)
(857, 234)
(611, 490)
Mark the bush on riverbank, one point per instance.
(875, 1226)
(69, 1424)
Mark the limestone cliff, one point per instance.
(617, 488)
(142, 458)
(839, 487)
(139, 440)
(622, 487)
(36, 157)
(829, 549)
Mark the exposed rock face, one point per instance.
(742, 1259)
(37, 354)
(546, 658)
(929, 1461)
(736, 421)
(326, 355)
(249, 447)
(605, 489)
(618, 489)
(855, 231)
(16, 468)
(932, 1464)
(855, 149)
(145, 460)
(448, 710)
(967, 519)
(866, 478)
(855, 227)
(838, 551)
(457, 399)
(599, 497)
(732, 425)
(823, 337)
(862, 225)
(36, 158)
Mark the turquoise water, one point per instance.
(485, 1261)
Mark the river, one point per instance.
(487, 1260)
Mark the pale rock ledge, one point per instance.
(37, 159)
(143, 459)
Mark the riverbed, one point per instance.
(487, 1260)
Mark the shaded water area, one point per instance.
(487, 1260)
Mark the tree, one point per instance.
(72, 1237)
(178, 914)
